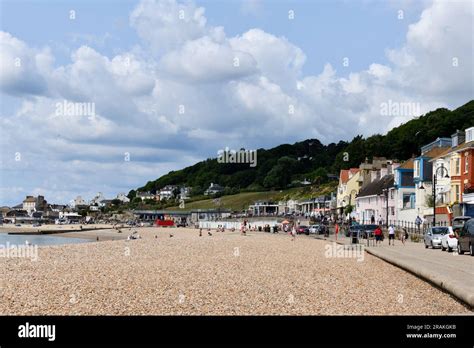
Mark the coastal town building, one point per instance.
(376, 201)
(423, 178)
(33, 204)
(466, 152)
(99, 197)
(213, 189)
(168, 192)
(348, 188)
(370, 170)
(79, 203)
(260, 208)
(4, 210)
(123, 198)
(404, 191)
(147, 196)
(458, 139)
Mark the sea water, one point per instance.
(15, 239)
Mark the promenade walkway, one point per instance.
(449, 271)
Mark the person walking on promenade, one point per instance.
(391, 235)
(372, 219)
(378, 235)
(293, 233)
(418, 223)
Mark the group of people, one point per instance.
(378, 233)
(132, 236)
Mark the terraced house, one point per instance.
(466, 154)
(349, 186)
(455, 182)
(423, 179)
(404, 191)
(377, 196)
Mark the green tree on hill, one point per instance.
(277, 167)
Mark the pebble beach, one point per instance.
(222, 274)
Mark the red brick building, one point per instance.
(466, 151)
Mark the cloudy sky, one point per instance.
(170, 82)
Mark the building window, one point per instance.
(457, 193)
(408, 201)
(466, 164)
(469, 134)
(417, 169)
(457, 166)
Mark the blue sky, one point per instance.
(139, 64)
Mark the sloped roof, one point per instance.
(376, 187)
(407, 164)
(436, 151)
(344, 175)
(464, 146)
(444, 153)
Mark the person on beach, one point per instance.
(243, 227)
(293, 233)
(391, 235)
(378, 235)
(200, 232)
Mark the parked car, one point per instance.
(348, 231)
(459, 221)
(433, 236)
(449, 240)
(303, 229)
(369, 229)
(314, 229)
(466, 238)
(363, 230)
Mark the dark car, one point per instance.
(466, 238)
(303, 229)
(353, 228)
(459, 221)
(363, 230)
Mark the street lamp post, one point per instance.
(435, 180)
(386, 206)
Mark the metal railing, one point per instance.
(413, 228)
